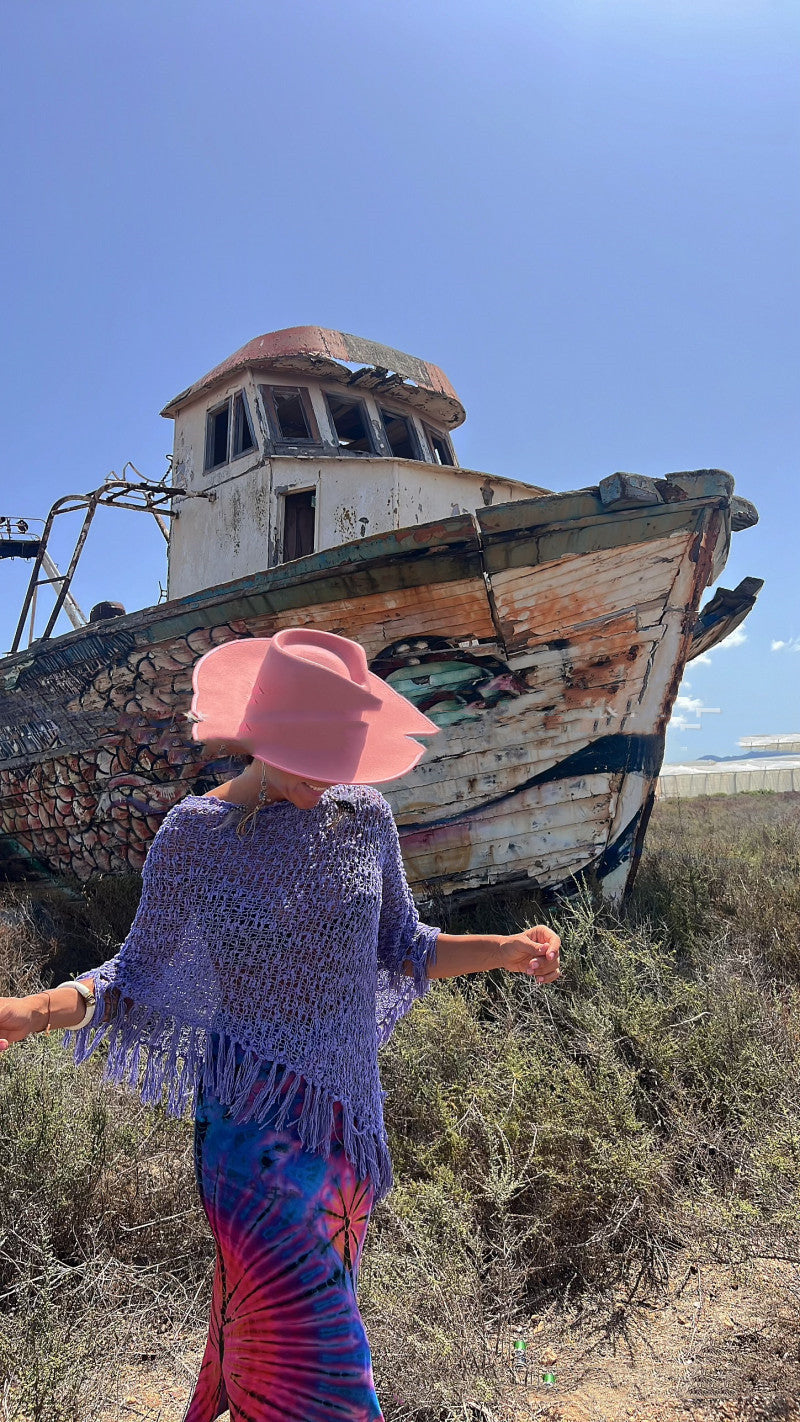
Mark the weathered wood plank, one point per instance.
(501, 801)
(525, 668)
(548, 850)
(573, 595)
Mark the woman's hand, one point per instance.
(535, 952)
(19, 1018)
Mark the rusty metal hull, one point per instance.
(546, 637)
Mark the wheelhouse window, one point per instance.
(441, 448)
(350, 423)
(229, 431)
(298, 524)
(217, 436)
(243, 438)
(399, 434)
(290, 414)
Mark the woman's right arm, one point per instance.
(21, 1017)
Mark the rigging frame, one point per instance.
(145, 496)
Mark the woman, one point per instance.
(275, 947)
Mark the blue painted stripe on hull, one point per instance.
(608, 755)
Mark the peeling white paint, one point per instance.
(240, 531)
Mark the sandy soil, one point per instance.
(718, 1345)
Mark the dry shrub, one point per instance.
(103, 1247)
(545, 1142)
(729, 862)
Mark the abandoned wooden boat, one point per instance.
(314, 482)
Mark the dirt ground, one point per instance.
(720, 1344)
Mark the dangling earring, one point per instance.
(264, 798)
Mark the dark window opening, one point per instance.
(441, 448)
(242, 428)
(217, 437)
(298, 524)
(290, 414)
(399, 434)
(350, 424)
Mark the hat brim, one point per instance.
(223, 681)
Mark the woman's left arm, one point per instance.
(534, 952)
(448, 955)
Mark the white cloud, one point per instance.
(790, 644)
(679, 722)
(737, 637)
(688, 711)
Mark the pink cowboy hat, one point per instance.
(304, 701)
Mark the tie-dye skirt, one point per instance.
(286, 1341)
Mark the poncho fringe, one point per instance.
(180, 1060)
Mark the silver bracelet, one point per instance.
(89, 998)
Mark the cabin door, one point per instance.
(298, 524)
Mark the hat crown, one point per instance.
(308, 674)
(324, 649)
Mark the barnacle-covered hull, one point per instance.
(546, 637)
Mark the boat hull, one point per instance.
(546, 638)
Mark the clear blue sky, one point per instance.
(585, 211)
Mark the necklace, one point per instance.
(264, 798)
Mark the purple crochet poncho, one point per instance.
(287, 944)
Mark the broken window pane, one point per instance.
(217, 437)
(298, 524)
(441, 449)
(350, 424)
(290, 413)
(399, 434)
(242, 429)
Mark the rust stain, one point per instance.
(567, 660)
(320, 351)
(581, 589)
